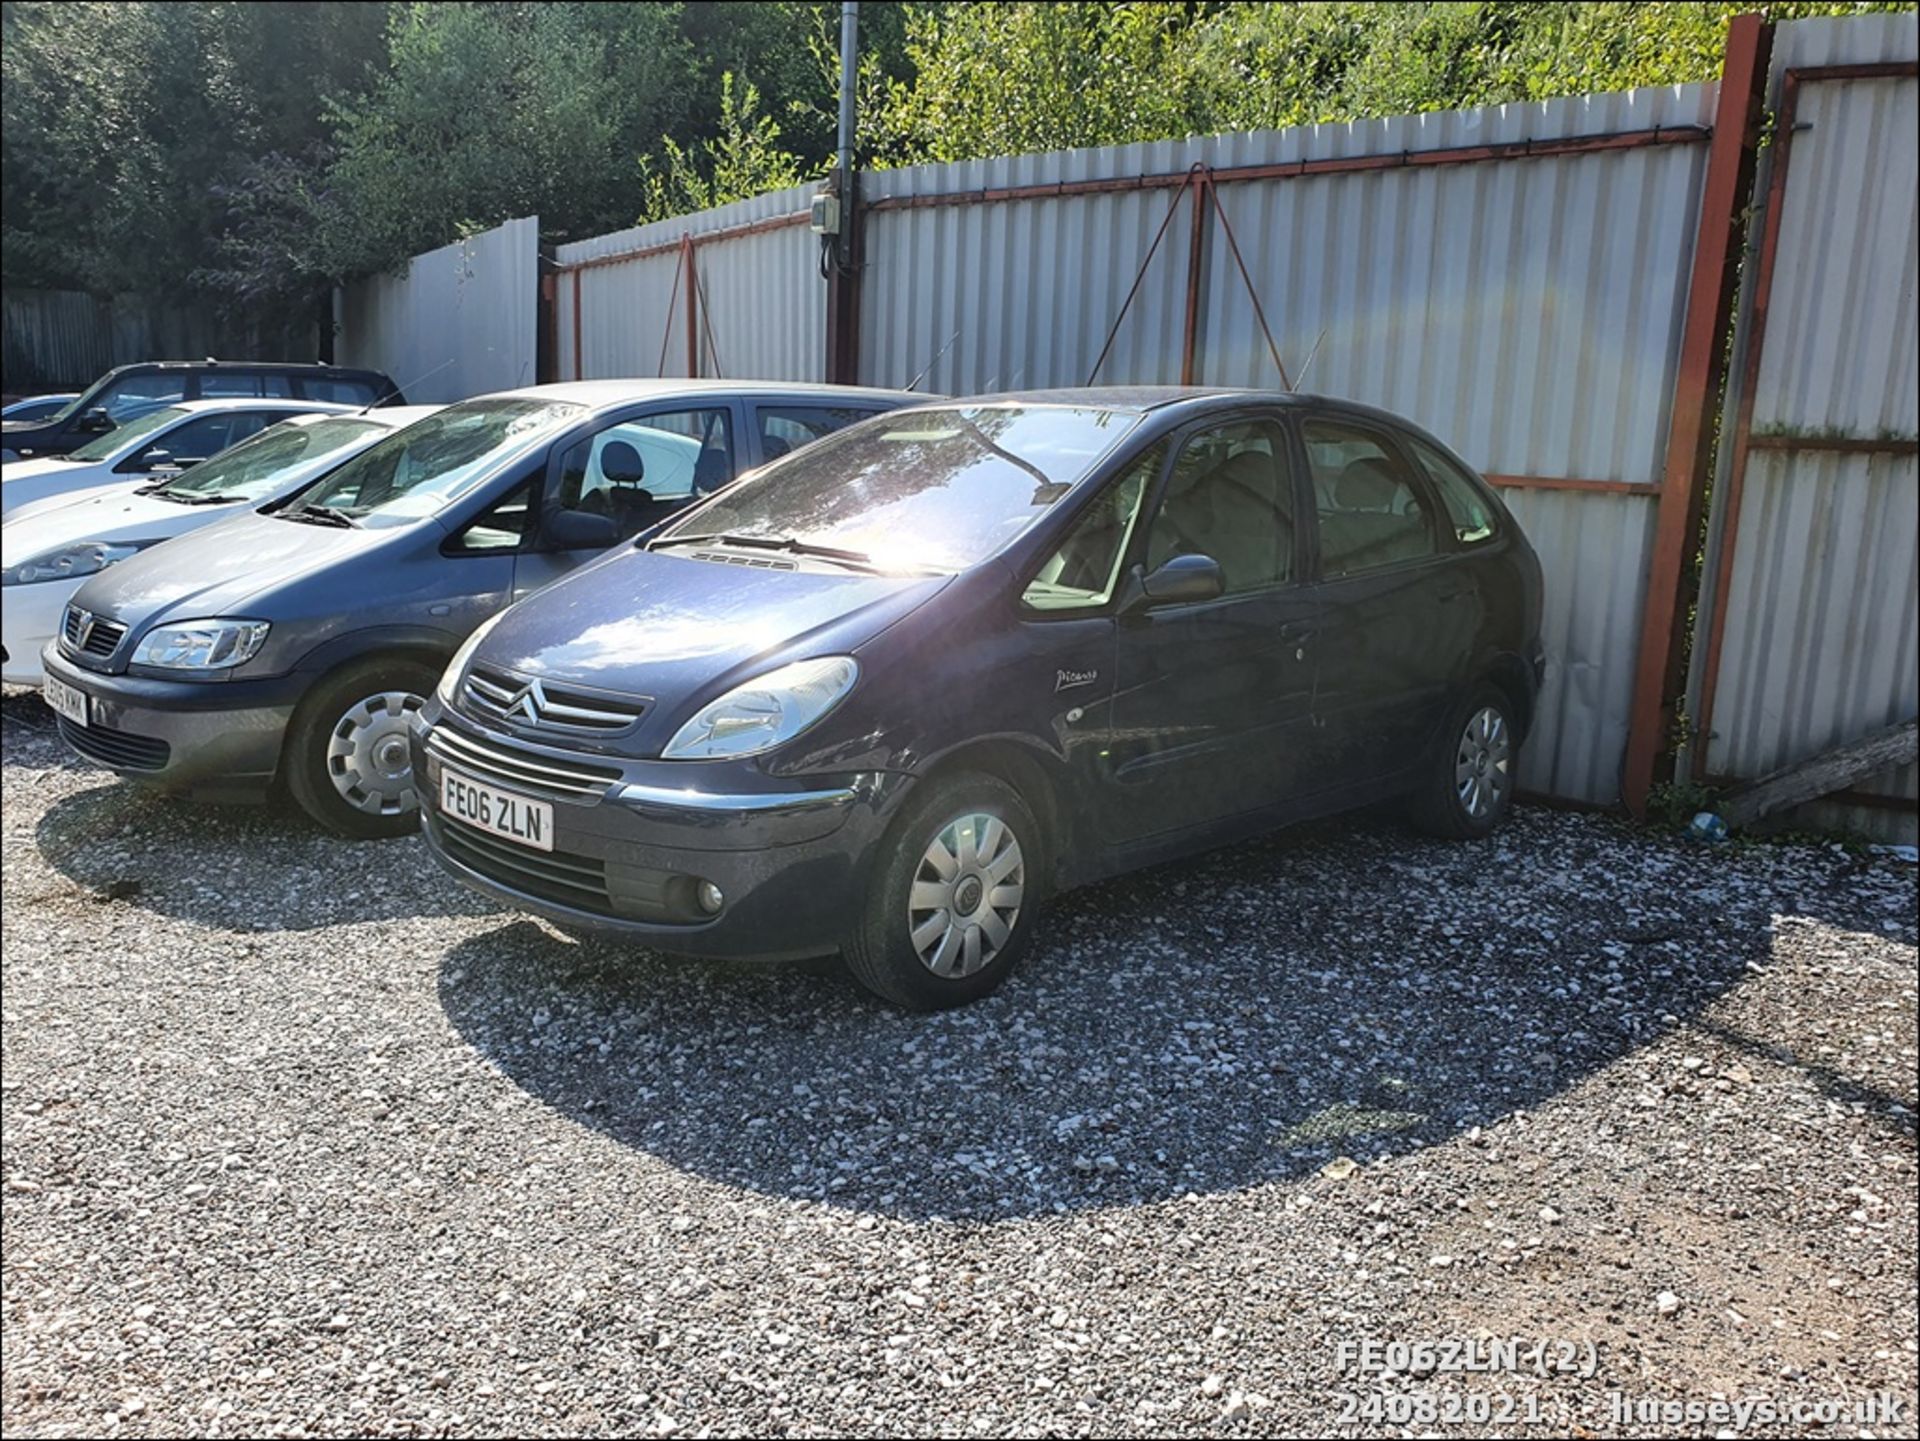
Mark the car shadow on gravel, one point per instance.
(1340, 991)
(243, 868)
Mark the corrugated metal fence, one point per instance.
(1806, 637)
(462, 320)
(66, 339)
(621, 300)
(1516, 279)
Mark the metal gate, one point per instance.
(1805, 637)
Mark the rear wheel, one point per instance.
(1470, 786)
(952, 904)
(348, 760)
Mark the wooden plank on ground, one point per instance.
(1820, 775)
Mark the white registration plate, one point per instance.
(67, 700)
(511, 816)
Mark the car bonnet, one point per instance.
(119, 514)
(671, 628)
(222, 568)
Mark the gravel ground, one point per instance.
(300, 1138)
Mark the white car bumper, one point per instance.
(29, 618)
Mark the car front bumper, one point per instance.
(216, 740)
(790, 863)
(29, 619)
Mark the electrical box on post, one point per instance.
(825, 216)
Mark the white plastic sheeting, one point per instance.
(461, 321)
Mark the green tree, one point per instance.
(744, 160)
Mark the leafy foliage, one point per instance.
(254, 153)
(745, 159)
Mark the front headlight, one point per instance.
(70, 562)
(201, 644)
(765, 712)
(449, 686)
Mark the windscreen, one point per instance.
(938, 489)
(255, 468)
(105, 447)
(416, 471)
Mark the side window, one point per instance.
(197, 440)
(640, 471)
(1467, 508)
(1082, 574)
(138, 394)
(1371, 514)
(221, 384)
(501, 526)
(339, 392)
(1230, 496)
(785, 428)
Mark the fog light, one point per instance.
(710, 898)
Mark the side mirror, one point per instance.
(581, 530)
(96, 421)
(159, 460)
(1182, 580)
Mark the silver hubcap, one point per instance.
(367, 756)
(1482, 767)
(966, 895)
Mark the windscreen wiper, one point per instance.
(321, 515)
(853, 559)
(179, 497)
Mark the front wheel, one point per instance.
(952, 903)
(348, 760)
(1469, 789)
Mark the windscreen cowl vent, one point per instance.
(753, 562)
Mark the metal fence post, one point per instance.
(1724, 204)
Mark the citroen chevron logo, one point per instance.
(528, 703)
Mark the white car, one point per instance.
(157, 443)
(48, 550)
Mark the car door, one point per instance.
(1389, 596)
(637, 470)
(1212, 708)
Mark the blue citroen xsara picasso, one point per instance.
(885, 695)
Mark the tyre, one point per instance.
(1470, 786)
(952, 904)
(347, 761)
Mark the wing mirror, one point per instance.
(1181, 580)
(96, 421)
(159, 460)
(582, 530)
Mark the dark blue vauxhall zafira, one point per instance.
(888, 693)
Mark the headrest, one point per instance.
(1367, 484)
(1252, 469)
(620, 463)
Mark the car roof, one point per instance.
(394, 417)
(259, 402)
(616, 392)
(1142, 399)
(298, 366)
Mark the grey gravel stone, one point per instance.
(300, 1138)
